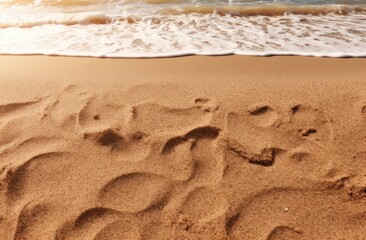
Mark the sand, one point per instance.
(182, 148)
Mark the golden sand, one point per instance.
(182, 148)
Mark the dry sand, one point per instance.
(182, 148)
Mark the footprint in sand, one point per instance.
(20, 109)
(205, 132)
(298, 214)
(32, 222)
(33, 175)
(176, 164)
(14, 131)
(310, 123)
(67, 105)
(135, 192)
(200, 213)
(202, 206)
(132, 147)
(153, 118)
(209, 162)
(262, 115)
(96, 114)
(100, 223)
(175, 156)
(254, 144)
(306, 163)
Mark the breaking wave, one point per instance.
(160, 28)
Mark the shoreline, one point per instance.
(340, 55)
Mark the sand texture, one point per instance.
(183, 148)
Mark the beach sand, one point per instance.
(196, 147)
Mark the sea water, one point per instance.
(161, 28)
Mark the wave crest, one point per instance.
(273, 10)
(87, 18)
(64, 19)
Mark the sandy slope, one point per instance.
(183, 148)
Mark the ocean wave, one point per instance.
(87, 18)
(61, 19)
(211, 34)
(68, 3)
(162, 28)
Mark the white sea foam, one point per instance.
(135, 30)
(330, 35)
